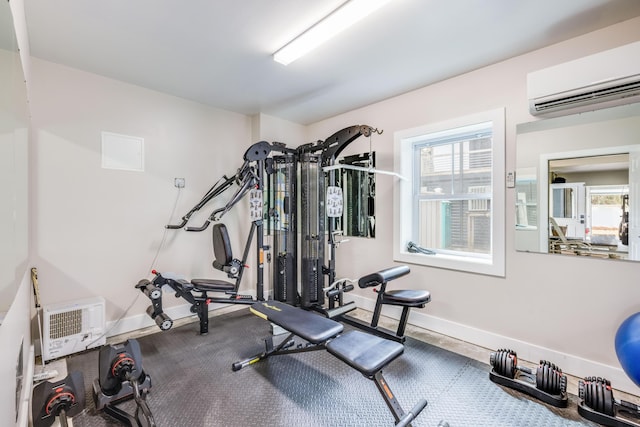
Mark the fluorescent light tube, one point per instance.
(340, 19)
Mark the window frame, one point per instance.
(403, 224)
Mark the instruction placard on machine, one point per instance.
(255, 204)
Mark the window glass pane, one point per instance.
(455, 225)
(453, 198)
(526, 197)
(456, 168)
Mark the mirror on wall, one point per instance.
(578, 185)
(358, 217)
(13, 163)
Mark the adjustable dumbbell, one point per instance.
(597, 394)
(58, 400)
(547, 377)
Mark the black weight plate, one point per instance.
(545, 377)
(511, 361)
(548, 378)
(497, 362)
(581, 389)
(554, 386)
(608, 402)
(599, 396)
(540, 376)
(502, 364)
(589, 396)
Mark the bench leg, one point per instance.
(403, 320)
(285, 347)
(377, 310)
(202, 309)
(402, 418)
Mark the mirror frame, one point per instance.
(541, 141)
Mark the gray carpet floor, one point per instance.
(193, 385)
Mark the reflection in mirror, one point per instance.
(13, 162)
(577, 191)
(358, 189)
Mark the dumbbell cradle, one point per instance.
(546, 382)
(598, 404)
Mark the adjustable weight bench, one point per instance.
(366, 353)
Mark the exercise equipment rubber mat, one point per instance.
(193, 385)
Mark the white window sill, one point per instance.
(452, 262)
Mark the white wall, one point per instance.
(563, 309)
(274, 129)
(96, 231)
(16, 369)
(15, 346)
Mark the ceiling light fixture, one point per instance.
(340, 19)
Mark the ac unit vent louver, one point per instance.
(590, 97)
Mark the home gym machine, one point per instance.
(121, 378)
(59, 399)
(271, 168)
(316, 185)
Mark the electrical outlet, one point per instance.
(179, 182)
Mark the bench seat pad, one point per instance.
(407, 296)
(212, 285)
(364, 352)
(307, 325)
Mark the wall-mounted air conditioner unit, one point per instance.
(602, 80)
(72, 327)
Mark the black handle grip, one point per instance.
(201, 228)
(177, 226)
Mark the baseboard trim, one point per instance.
(570, 364)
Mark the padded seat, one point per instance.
(305, 324)
(364, 352)
(205, 285)
(405, 298)
(414, 298)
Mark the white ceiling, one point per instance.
(218, 52)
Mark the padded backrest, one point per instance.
(383, 276)
(221, 247)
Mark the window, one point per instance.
(450, 211)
